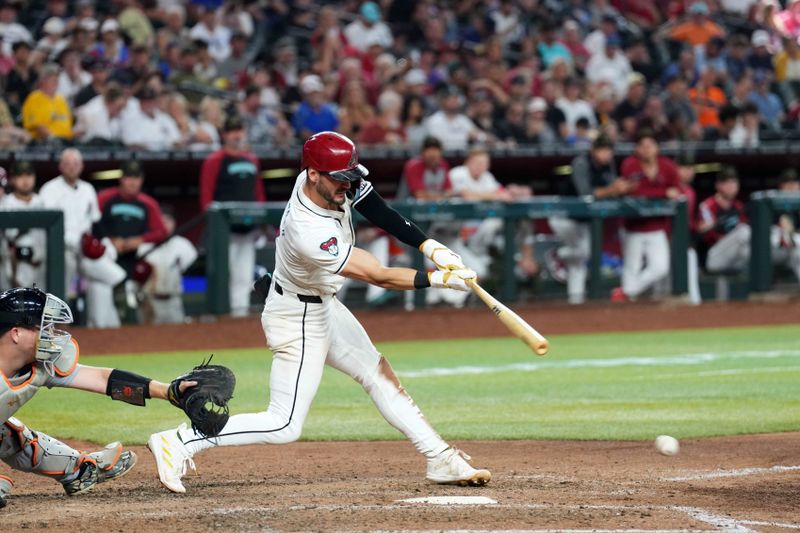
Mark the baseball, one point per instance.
(667, 445)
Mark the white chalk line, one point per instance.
(739, 472)
(559, 530)
(724, 523)
(665, 360)
(771, 524)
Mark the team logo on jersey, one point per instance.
(331, 246)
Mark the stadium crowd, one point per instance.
(428, 75)
(161, 74)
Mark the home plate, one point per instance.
(451, 500)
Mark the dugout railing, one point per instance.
(222, 215)
(53, 224)
(762, 208)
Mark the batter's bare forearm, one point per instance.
(365, 267)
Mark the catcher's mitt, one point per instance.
(206, 404)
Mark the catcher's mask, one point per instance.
(31, 307)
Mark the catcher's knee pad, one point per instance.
(30, 451)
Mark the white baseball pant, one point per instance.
(575, 252)
(304, 337)
(731, 252)
(646, 257)
(241, 265)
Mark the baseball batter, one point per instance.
(35, 354)
(306, 326)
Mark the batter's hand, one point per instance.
(443, 257)
(452, 279)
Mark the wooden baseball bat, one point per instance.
(521, 329)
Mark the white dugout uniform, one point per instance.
(24, 273)
(307, 327)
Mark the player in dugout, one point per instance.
(34, 353)
(307, 327)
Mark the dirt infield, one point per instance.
(723, 484)
(748, 483)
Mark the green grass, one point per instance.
(686, 383)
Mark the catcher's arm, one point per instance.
(116, 383)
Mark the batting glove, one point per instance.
(452, 279)
(443, 257)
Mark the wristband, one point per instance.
(128, 387)
(421, 280)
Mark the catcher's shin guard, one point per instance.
(30, 451)
(6, 483)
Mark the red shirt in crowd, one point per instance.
(419, 178)
(724, 220)
(652, 188)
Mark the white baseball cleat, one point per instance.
(451, 468)
(172, 458)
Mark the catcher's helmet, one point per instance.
(333, 154)
(22, 306)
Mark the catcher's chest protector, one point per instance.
(16, 390)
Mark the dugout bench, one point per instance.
(222, 215)
(762, 208)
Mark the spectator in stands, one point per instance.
(685, 67)
(78, 200)
(148, 127)
(676, 102)
(72, 77)
(728, 117)
(512, 128)
(98, 70)
(23, 252)
(99, 121)
(538, 130)
(11, 137)
(628, 110)
(137, 69)
(412, 117)
(174, 30)
(354, 109)
(784, 237)
(46, 114)
(205, 67)
(163, 290)
(231, 174)
(596, 40)
(314, 114)
(387, 127)
(593, 174)
(707, 99)
(52, 42)
(111, 47)
(549, 48)
(713, 57)
(232, 67)
(722, 225)
(368, 29)
(574, 106)
(760, 57)
(646, 252)
(217, 36)
(426, 177)
(745, 134)
(12, 31)
(788, 21)
(129, 218)
(556, 119)
(641, 60)
(610, 65)
(698, 29)
(84, 36)
(787, 70)
(135, 23)
(571, 38)
(736, 59)
(264, 126)
(22, 78)
(193, 134)
(770, 107)
(450, 124)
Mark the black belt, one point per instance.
(305, 298)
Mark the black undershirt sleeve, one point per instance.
(376, 210)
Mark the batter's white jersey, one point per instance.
(79, 204)
(314, 243)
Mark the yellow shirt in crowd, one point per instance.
(53, 113)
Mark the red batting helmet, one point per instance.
(333, 154)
